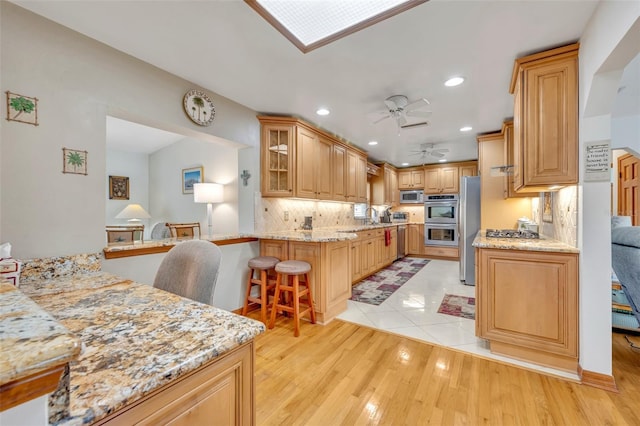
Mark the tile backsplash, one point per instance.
(564, 215)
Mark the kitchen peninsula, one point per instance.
(147, 355)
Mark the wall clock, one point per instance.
(199, 107)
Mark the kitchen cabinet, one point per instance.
(356, 177)
(221, 392)
(509, 181)
(415, 239)
(527, 305)
(545, 122)
(330, 273)
(411, 178)
(314, 154)
(356, 261)
(469, 168)
(384, 187)
(369, 253)
(441, 179)
(298, 160)
(277, 153)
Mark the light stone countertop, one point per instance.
(31, 339)
(136, 338)
(541, 244)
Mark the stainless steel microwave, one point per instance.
(411, 197)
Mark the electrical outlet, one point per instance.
(286, 216)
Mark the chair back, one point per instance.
(190, 269)
(184, 230)
(160, 231)
(124, 234)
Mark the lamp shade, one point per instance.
(133, 211)
(208, 192)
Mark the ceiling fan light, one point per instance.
(466, 128)
(405, 164)
(454, 81)
(322, 111)
(373, 143)
(442, 160)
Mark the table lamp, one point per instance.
(208, 193)
(133, 212)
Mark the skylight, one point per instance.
(313, 23)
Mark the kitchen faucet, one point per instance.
(368, 217)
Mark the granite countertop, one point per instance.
(136, 338)
(32, 340)
(541, 244)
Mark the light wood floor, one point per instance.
(345, 374)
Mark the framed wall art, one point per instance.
(118, 188)
(74, 161)
(191, 176)
(23, 109)
(547, 207)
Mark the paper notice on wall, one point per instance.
(597, 164)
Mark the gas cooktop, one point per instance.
(511, 233)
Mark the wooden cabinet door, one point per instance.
(324, 169)
(361, 179)
(528, 305)
(394, 194)
(356, 261)
(277, 152)
(352, 176)
(339, 173)
(368, 255)
(449, 180)
(469, 169)
(310, 253)
(306, 164)
(275, 248)
(415, 239)
(404, 180)
(336, 274)
(432, 180)
(628, 188)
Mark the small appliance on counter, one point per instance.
(308, 223)
(399, 217)
(385, 217)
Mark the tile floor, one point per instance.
(412, 311)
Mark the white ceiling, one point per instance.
(228, 48)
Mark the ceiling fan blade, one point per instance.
(391, 105)
(417, 104)
(380, 119)
(402, 121)
(418, 113)
(441, 150)
(436, 154)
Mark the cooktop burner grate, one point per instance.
(511, 233)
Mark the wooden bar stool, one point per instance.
(291, 284)
(262, 264)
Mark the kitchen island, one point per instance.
(527, 299)
(147, 355)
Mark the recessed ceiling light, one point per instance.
(455, 81)
(405, 164)
(373, 143)
(442, 160)
(322, 111)
(466, 128)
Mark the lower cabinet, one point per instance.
(370, 252)
(330, 271)
(221, 393)
(527, 305)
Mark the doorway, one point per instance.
(628, 184)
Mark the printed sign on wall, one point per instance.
(597, 164)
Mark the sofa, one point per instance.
(625, 259)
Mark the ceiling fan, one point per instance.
(428, 149)
(398, 107)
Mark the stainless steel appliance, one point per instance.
(469, 225)
(441, 209)
(440, 234)
(402, 231)
(411, 197)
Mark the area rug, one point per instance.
(458, 306)
(378, 287)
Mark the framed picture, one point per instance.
(547, 207)
(22, 108)
(191, 176)
(74, 161)
(118, 188)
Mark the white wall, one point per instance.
(625, 133)
(609, 42)
(78, 83)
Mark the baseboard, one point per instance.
(597, 380)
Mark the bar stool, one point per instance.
(262, 264)
(291, 284)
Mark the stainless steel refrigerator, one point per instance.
(468, 226)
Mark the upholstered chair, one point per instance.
(190, 269)
(160, 231)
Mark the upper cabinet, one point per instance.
(445, 178)
(411, 179)
(298, 160)
(277, 160)
(384, 186)
(545, 122)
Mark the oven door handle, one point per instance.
(441, 225)
(441, 203)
